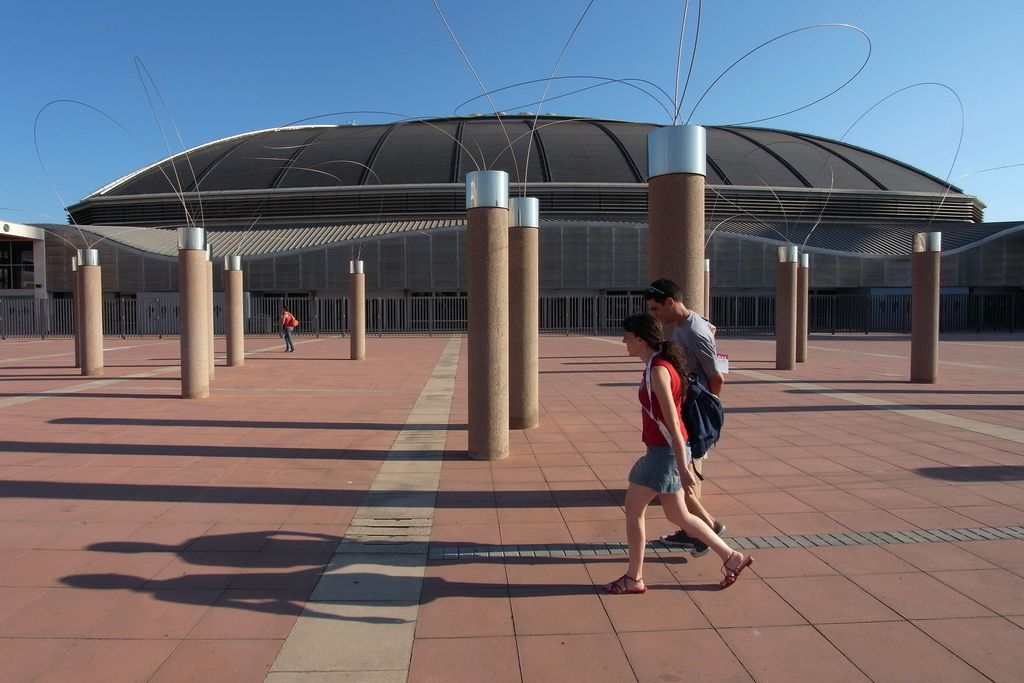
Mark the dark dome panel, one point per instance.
(165, 178)
(745, 163)
(319, 163)
(564, 150)
(257, 162)
(633, 138)
(488, 143)
(580, 152)
(819, 167)
(415, 153)
(891, 174)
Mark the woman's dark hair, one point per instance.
(647, 327)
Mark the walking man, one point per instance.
(696, 336)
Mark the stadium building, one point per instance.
(300, 202)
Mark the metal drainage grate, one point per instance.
(440, 551)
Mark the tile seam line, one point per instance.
(924, 414)
(104, 382)
(891, 355)
(438, 387)
(4, 366)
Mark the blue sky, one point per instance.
(225, 68)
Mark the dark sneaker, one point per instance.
(699, 548)
(679, 539)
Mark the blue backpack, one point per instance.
(703, 416)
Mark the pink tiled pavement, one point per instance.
(192, 532)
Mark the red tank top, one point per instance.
(652, 435)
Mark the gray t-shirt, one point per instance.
(694, 335)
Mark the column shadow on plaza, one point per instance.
(290, 563)
(276, 495)
(974, 473)
(256, 424)
(214, 451)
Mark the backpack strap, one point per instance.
(665, 432)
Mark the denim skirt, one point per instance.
(657, 469)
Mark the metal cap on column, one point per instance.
(803, 302)
(357, 310)
(785, 308)
(924, 307)
(90, 281)
(90, 257)
(487, 271)
(523, 313)
(192, 317)
(234, 307)
(677, 166)
(192, 238)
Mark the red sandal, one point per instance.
(733, 573)
(619, 587)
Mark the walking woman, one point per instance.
(665, 471)
(288, 323)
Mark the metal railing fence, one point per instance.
(157, 315)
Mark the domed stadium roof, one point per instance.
(565, 150)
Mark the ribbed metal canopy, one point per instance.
(870, 238)
(564, 150)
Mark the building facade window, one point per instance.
(16, 264)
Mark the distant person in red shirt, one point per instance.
(288, 323)
(666, 467)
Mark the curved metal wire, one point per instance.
(604, 81)
(544, 94)
(720, 224)
(780, 37)
(987, 170)
(140, 68)
(480, 82)
(693, 58)
(745, 212)
(959, 143)
(679, 63)
(46, 173)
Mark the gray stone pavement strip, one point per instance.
(781, 542)
(360, 620)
